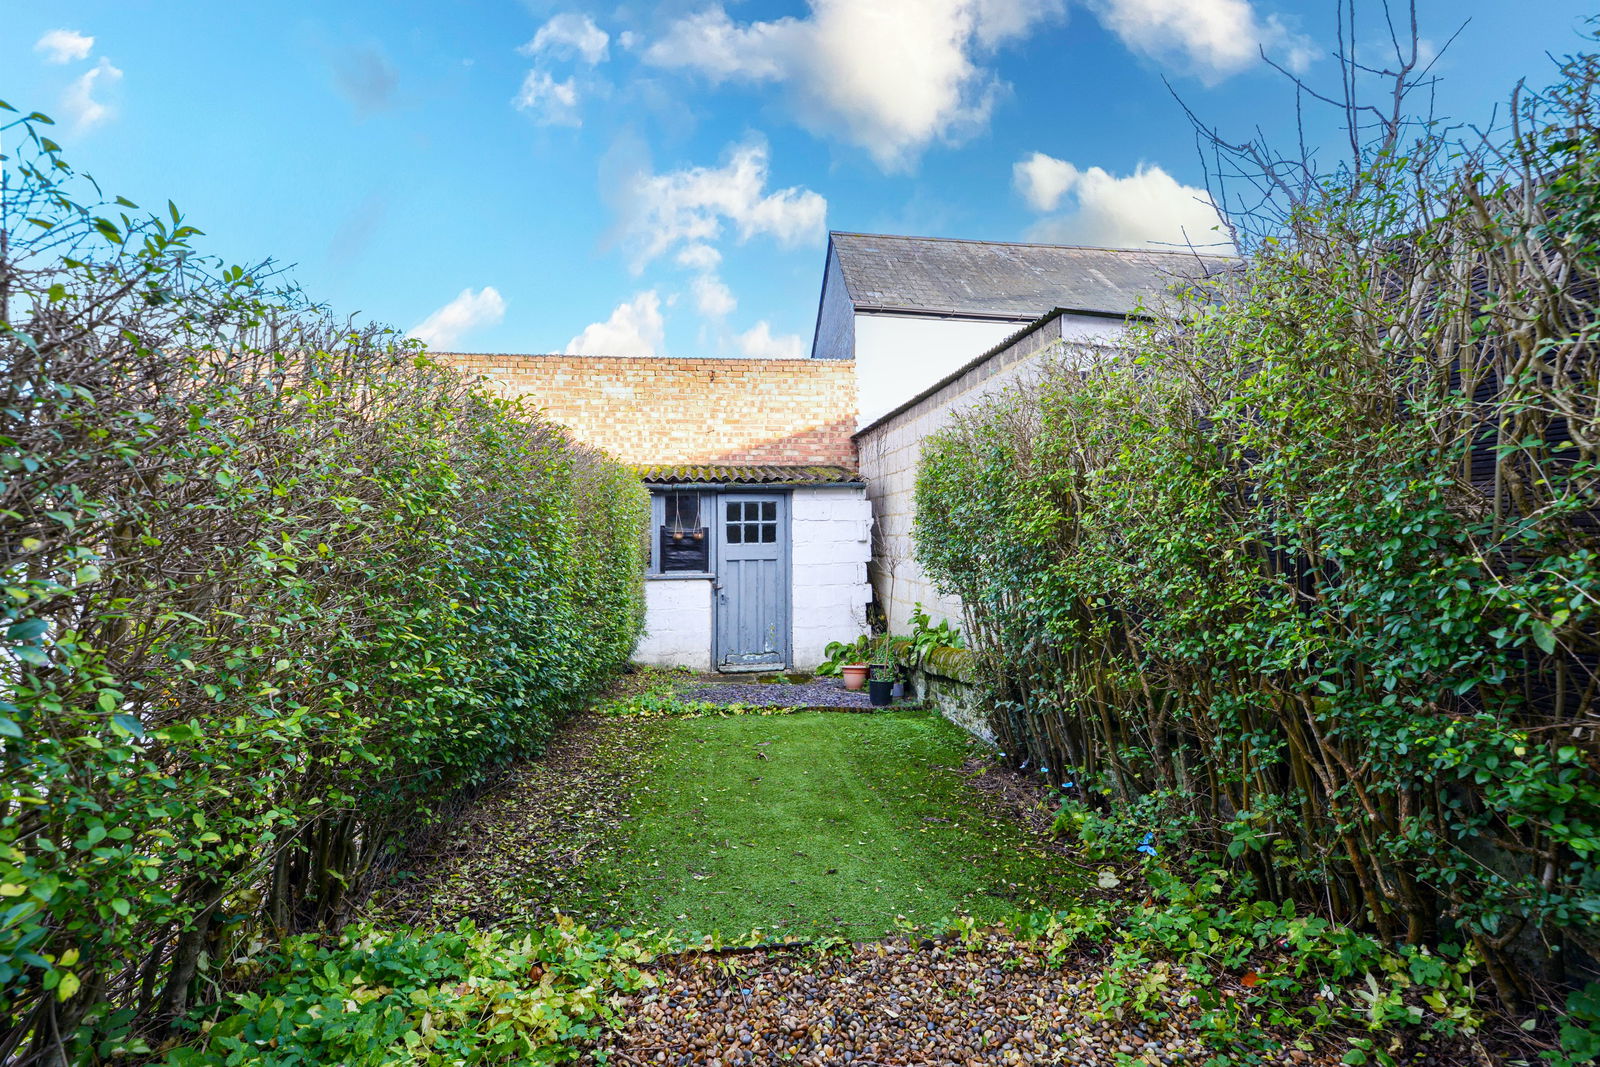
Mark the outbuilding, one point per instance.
(754, 568)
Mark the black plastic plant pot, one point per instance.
(880, 691)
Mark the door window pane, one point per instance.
(751, 522)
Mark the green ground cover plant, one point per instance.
(1263, 976)
(1304, 584)
(403, 996)
(275, 587)
(819, 821)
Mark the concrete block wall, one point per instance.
(890, 452)
(828, 559)
(665, 410)
(677, 624)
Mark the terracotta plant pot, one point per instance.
(855, 675)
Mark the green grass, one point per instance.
(821, 822)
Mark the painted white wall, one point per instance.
(828, 557)
(677, 624)
(898, 356)
(891, 453)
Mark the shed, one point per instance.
(754, 567)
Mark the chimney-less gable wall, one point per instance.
(835, 337)
(661, 410)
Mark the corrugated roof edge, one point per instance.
(751, 474)
(965, 367)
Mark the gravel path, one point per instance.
(896, 1003)
(821, 693)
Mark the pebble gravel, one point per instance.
(820, 693)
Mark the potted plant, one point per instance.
(880, 688)
(848, 660)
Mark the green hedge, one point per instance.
(276, 587)
(1307, 579)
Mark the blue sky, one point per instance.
(643, 178)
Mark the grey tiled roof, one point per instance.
(1014, 281)
(749, 474)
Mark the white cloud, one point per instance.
(714, 299)
(1147, 207)
(63, 46)
(758, 343)
(698, 257)
(79, 103)
(1215, 38)
(570, 34)
(554, 103)
(891, 76)
(634, 329)
(690, 206)
(1043, 180)
(997, 21)
(445, 327)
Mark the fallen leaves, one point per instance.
(892, 1002)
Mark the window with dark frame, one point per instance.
(684, 542)
(752, 522)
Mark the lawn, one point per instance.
(821, 821)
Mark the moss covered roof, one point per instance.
(762, 474)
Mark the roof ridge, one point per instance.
(1033, 244)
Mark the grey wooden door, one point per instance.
(752, 609)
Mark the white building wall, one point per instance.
(832, 544)
(677, 624)
(898, 356)
(891, 452)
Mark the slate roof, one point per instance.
(991, 279)
(765, 474)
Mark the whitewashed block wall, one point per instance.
(828, 562)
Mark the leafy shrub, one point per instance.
(275, 586)
(1259, 969)
(839, 654)
(925, 636)
(885, 649)
(1306, 579)
(400, 996)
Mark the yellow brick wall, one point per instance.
(666, 410)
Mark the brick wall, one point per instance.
(667, 410)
